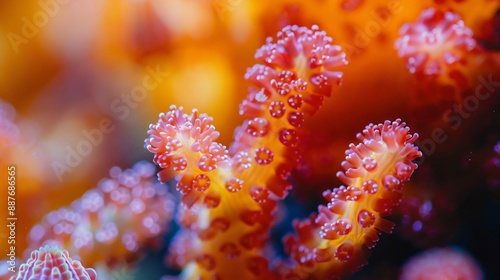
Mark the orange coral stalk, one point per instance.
(330, 244)
(111, 221)
(229, 196)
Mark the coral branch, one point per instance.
(331, 243)
(229, 196)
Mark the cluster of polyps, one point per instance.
(229, 195)
(332, 242)
(434, 42)
(53, 263)
(112, 221)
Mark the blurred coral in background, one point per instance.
(81, 81)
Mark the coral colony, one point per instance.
(229, 195)
(229, 199)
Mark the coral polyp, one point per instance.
(437, 41)
(9, 132)
(51, 263)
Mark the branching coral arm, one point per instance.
(330, 244)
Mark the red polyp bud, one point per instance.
(391, 183)
(207, 163)
(344, 252)
(258, 266)
(283, 171)
(249, 241)
(220, 224)
(212, 200)
(304, 256)
(326, 80)
(201, 182)
(259, 194)
(185, 184)
(369, 164)
(288, 137)
(207, 234)
(250, 217)
(350, 193)
(366, 219)
(258, 127)
(263, 156)
(403, 171)
(353, 193)
(234, 185)
(283, 87)
(178, 164)
(296, 119)
(323, 255)
(190, 198)
(277, 109)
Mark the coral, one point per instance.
(85, 80)
(331, 243)
(112, 221)
(50, 262)
(436, 41)
(229, 236)
(446, 263)
(299, 71)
